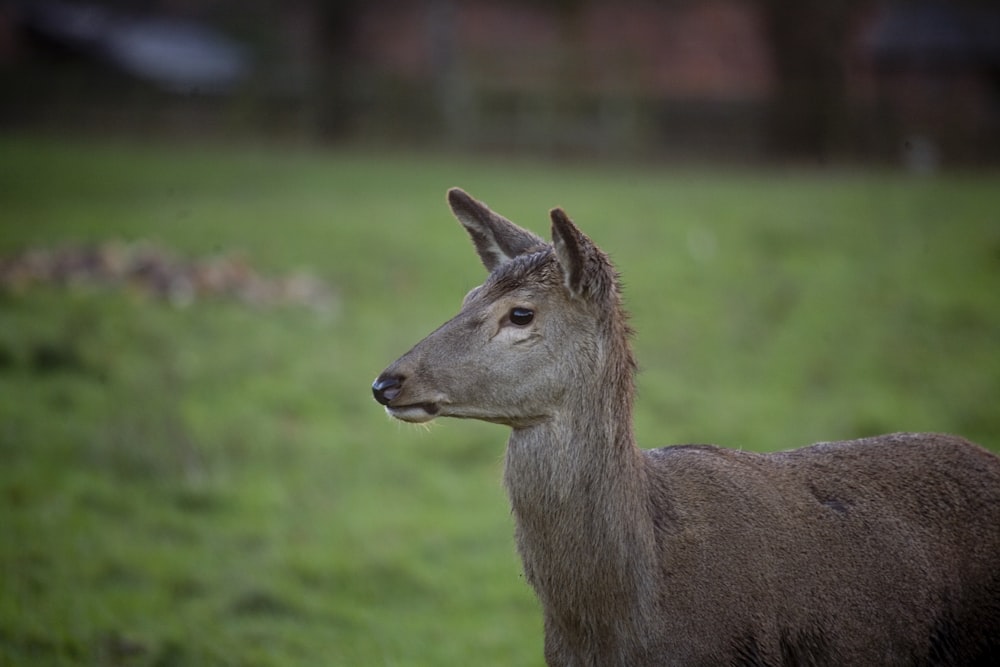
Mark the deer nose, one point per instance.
(386, 388)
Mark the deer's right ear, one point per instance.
(497, 239)
(587, 270)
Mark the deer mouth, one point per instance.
(416, 413)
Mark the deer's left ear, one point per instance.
(587, 270)
(497, 239)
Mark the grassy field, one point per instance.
(212, 484)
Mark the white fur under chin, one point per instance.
(414, 414)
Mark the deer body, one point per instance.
(882, 551)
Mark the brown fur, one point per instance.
(882, 551)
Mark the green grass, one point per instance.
(213, 485)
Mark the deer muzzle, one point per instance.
(387, 390)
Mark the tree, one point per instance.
(808, 39)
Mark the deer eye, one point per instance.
(521, 316)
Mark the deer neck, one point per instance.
(585, 449)
(575, 453)
(577, 486)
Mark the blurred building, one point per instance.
(931, 81)
(709, 79)
(691, 78)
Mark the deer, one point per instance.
(876, 551)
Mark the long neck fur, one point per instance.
(577, 485)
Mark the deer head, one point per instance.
(537, 330)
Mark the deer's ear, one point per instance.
(497, 239)
(587, 270)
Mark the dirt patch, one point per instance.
(160, 273)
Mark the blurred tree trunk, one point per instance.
(452, 95)
(335, 83)
(808, 111)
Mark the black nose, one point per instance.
(386, 388)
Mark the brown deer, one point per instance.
(881, 551)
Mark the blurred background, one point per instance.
(915, 82)
(220, 220)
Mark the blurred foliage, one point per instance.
(212, 484)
